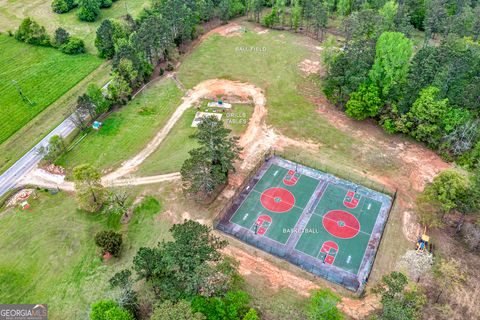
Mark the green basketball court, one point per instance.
(310, 217)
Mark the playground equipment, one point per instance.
(423, 242)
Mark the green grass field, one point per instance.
(44, 75)
(125, 132)
(48, 253)
(13, 11)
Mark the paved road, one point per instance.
(29, 161)
(10, 178)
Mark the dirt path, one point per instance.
(251, 141)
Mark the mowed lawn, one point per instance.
(44, 75)
(12, 12)
(48, 254)
(125, 132)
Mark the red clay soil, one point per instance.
(279, 278)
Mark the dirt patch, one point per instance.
(279, 278)
(411, 228)
(309, 67)
(416, 164)
(261, 30)
(229, 30)
(360, 309)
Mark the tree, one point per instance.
(97, 96)
(320, 18)
(296, 15)
(421, 73)
(389, 13)
(109, 241)
(390, 69)
(119, 90)
(55, 148)
(176, 269)
(224, 10)
(435, 18)
(449, 189)
(364, 103)
(89, 10)
(323, 306)
(178, 311)
(85, 103)
(449, 274)
(31, 32)
(398, 301)
(62, 6)
(343, 7)
(108, 310)
(108, 34)
(425, 118)
(61, 37)
(154, 38)
(127, 298)
(179, 16)
(209, 165)
(257, 6)
(91, 195)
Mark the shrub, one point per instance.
(105, 3)
(109, 241)
(89, 10)
(471, 236)
(62, 6)
(323, 305)
(31, 32)
(73, 46)
(169, 67)
(108, 310)
(61, 37)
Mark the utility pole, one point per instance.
(20, 92)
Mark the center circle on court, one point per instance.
(341, 224)
(277, 200)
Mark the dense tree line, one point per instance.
(431, 93)
(31, 32)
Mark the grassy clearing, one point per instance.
(52, 257)
(13, 11)
(44, 75)
(126, 131)
(173, 151)
(274, 69)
